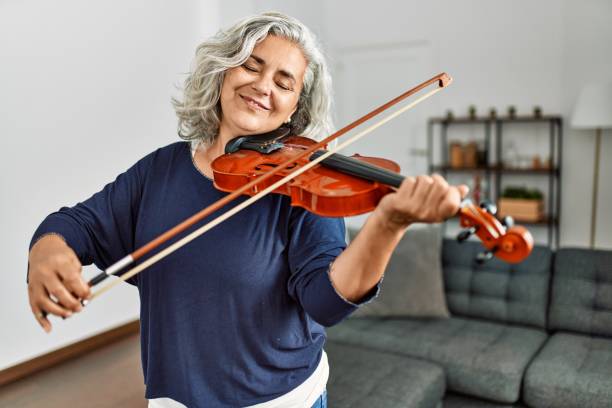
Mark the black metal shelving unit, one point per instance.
(494, 171)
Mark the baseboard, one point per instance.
(40, 363)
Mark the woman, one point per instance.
(235, 318)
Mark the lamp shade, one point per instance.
(593, 109)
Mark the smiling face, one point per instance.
(258, 96)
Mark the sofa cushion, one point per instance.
(496, 290)
(412, 285)
(483, 359)
(572, 370)
(361, 377)
(461, 401)
(581, 298)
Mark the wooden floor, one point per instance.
(107, 377)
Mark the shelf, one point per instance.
(497, 169)
(504, 119)
(530, 119)
(461, 169)
(543, 221)
(461, 121)
(493, 174)
(554, 170)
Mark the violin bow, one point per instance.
(442, 80)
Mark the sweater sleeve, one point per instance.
(100, 229)
(314, 243)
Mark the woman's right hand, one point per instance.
(55, 285)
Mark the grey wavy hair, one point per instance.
(199, 112)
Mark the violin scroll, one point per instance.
(502, 239)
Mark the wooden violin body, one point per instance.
(321, 190)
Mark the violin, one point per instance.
(343, 186)
(275, 163)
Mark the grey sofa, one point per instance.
(536, 334)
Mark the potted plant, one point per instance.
(522, 204)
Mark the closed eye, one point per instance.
(283, 86)
(249, 68)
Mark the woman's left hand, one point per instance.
(427, 199)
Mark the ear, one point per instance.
(291, 114)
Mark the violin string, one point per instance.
(188, 238)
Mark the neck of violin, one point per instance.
(359, 168)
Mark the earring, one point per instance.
(288, 120)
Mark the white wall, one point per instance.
(500, 53)
(86, 90)
(587, 57)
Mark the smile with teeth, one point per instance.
(254, 104)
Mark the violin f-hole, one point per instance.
(273, 165)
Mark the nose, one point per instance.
(262, 85)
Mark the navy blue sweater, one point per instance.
(235, 317)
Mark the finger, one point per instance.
(63, 296)
(49, 306)
(407, 186)
(437, 191)
(422, 188)
(39, 297)
(438, 179)
(463, 190)
(451, 202)
(75, 284)
(41, 318)
(70, 273)
(50, 302)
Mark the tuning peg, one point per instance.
(488, 206)
(507, 221)
(466, 233)
(484, 256)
